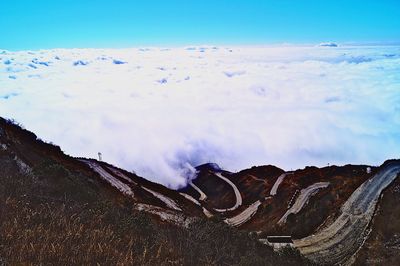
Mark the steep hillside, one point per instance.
(325, 210)
(50, 202)
(275, 192)
(59, 210)
(383, 245)
(342, 237)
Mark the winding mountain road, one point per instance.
(244, 216)
(113, 181)
(169, 202)
(121, 175)
(195, 201)
(237, 194)
(302, 199)
(124, 188)
(278, 181)
(340, 241)
(165, 214)
(203, 196)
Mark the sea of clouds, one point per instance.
(160, 112)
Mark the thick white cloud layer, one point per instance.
(161, 111)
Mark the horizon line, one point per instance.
(208, 45)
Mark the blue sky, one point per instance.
(41, 24)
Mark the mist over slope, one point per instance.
(162, 111)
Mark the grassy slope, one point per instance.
(54, 212)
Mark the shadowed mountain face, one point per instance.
(41, 187)
(59, 210)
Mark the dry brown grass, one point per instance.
(58, 234)
(56, 214)
(47, 235)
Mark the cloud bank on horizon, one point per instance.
(160, 112)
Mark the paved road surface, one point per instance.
(302, 199)
(237, 194)
(275, 187)
(203, 196)
(121, 175)
(124, 188)
(338, 242)
(195, 201)
(169, 202)
(244, 216)
(165, 214)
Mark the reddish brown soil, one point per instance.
(383, 245)
(255, 184)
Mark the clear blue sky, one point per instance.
(40, 24)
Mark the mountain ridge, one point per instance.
(264, 200)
